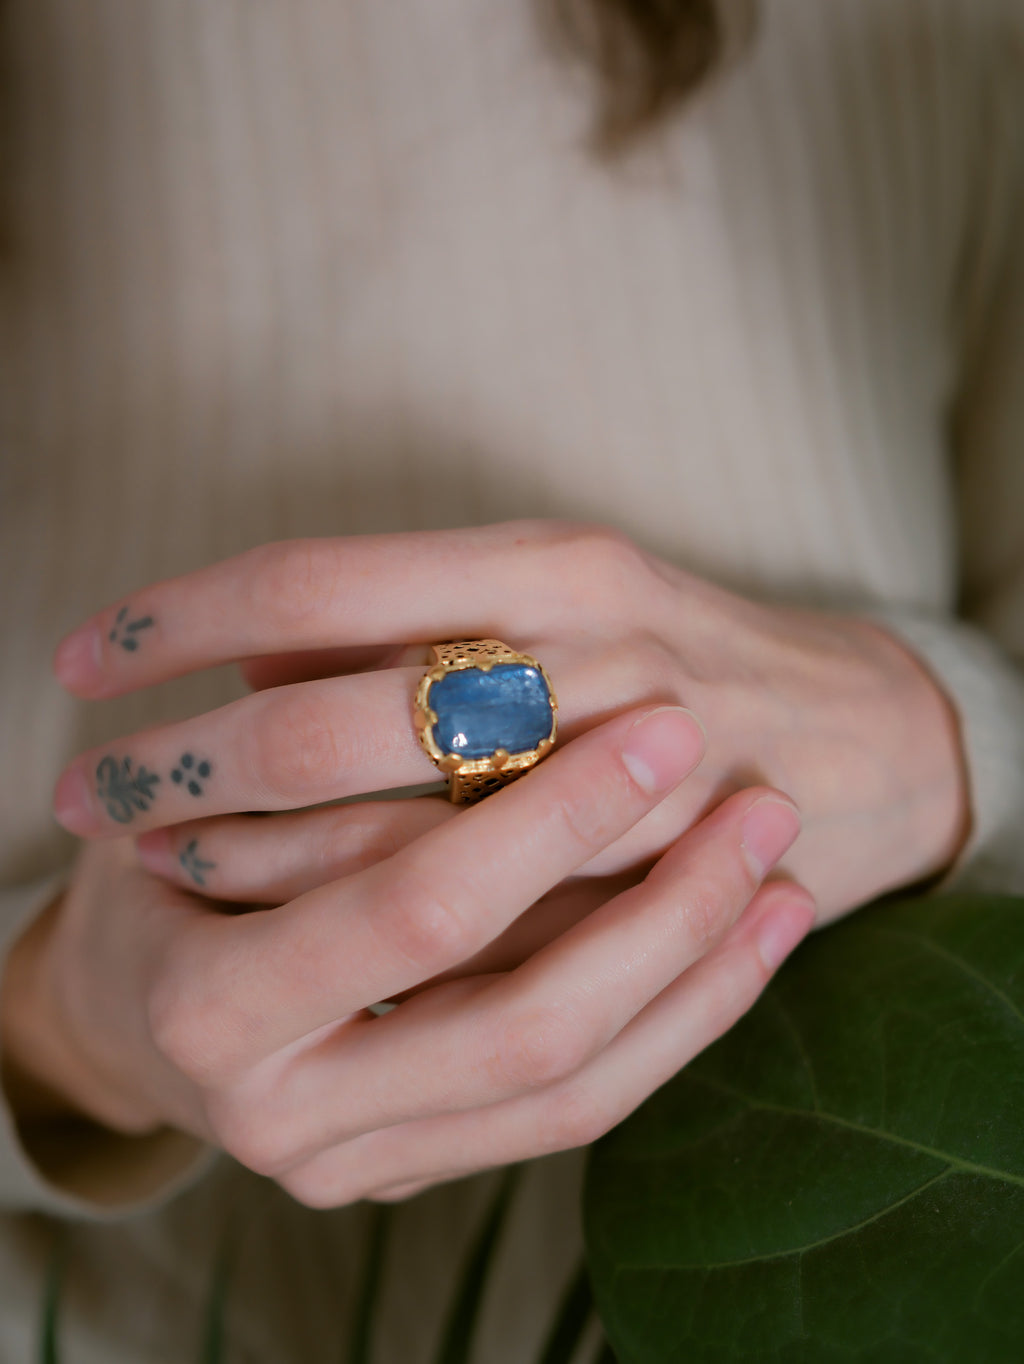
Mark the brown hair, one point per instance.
(649, 55)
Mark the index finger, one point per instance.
(279, 975)
(311, 594)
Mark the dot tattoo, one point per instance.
(191, 774)
(194, 864)
(124, 791)
(126, 632)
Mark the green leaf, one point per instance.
(841, 1177)
(49, 1331)
(571, 1318)
(212, 1348)
(360, 1343)
(605, 1354)
(457, 1336)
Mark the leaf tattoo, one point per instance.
(123, 791)
(194, 864)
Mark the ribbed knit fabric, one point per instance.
(327, 266)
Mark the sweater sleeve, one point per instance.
(73, 1167)
(979, 657)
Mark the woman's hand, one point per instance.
(827, 708)
(140, 1005)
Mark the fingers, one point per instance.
(446, 1050)
(284, 748)
(296, 746)
(279, 670)
(279, 975)
(256, 860)
(337, 593)
(684, 1019)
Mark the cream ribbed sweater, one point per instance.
(322, 266)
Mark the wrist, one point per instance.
(45, 1074)
(927, 737)
(857, 731)
(25, 1027)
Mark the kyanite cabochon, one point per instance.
(477, 712)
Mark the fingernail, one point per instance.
(71, 802)
(663, 747)
(784, 929)
(770, 826)
(78, 659)
(154, 851)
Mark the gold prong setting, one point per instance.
(473, 778)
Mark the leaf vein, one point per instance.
(802, 1051)
(958, 962)
(798, 1251)
(994, 1271)
(969, 1167)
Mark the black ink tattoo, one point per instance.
(126, 632)
(123, 791)
(191, 774)
(194, 864)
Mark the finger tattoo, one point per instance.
(126, 632)
(123, 789)
(192, 774)
(194, 864)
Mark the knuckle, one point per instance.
(290, 580)
(643, 666)
(195, 1028)
(571, 1116)
(708, 904)
(250, 1134)
(428, 930)
(539, 1047)
(191, 1041)
(368, 833)
(185, 1032)
(738, 992)
(586, 815)
(595, 558)
(297, 747)
(703, 914)
(310, 1188)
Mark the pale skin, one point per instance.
(559, 950)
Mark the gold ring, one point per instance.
(485, 714)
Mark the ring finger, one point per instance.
(281, 749)
(299, 745)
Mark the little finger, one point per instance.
(276, 858)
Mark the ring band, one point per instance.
(485, 714)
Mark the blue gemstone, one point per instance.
(477, 712)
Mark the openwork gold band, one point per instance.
(475, 653)
(471, 779)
